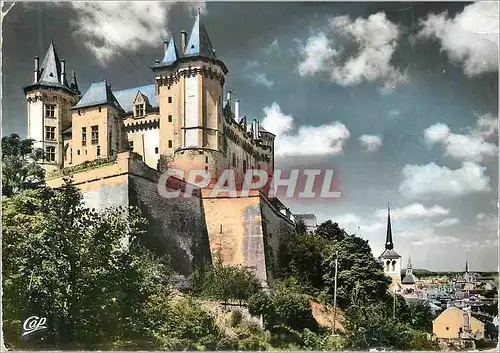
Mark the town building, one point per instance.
(457, 327)
(310, 221)
(117, 144)
(410, 280)
(391, 260)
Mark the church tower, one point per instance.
(49, 99)
(390, 259)
(190, 85)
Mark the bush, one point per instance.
(285, 308)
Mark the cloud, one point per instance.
(474, 245)
(357, 225)
(470, 38)
(376, 38)
(260, 79)
(317, 55)
(488, 222)
(326, 139)
(415, 210)
(370, 143)
(471, 147)
(348, 219)
(447, 222)
(394, 112)
(109, 29)
(273, 47)
(422, 181)
(251, 64)
(426, 237)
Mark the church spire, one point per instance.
(466, 267)
(199, 43)
(73, 84)
(389, 245)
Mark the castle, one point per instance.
(116, 144)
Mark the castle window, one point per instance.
(50, 110)
(50, 154)
(50, 132)
(84, 136)
(234, 160)
(170, 118)
(206, 159)
(131, 145)
(79, 112)
(170, 99)
(168, 87)
(156, 150)
(139, 110)
(78, 152)
(98, 151)
(95, 134)
(99, 109)
(244, 167)
(169, 143)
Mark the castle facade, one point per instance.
(116, 144)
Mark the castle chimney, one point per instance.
(183, 41)
(229, 98)
(37, 68)
(63, 71)
(165, 47)
(255, 129)
(237, 110)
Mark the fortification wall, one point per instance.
(248, 231)
(177, 226)
(235, 232)
(276, 227)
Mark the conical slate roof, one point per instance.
(199, 43)
(50, 70)
(171, 55)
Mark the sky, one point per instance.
(399, 99)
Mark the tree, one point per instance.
(19, 168)
(225, 282)
(304, 254)
(357, 268)
(73, 266)
(331, 231)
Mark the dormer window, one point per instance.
(139, 110)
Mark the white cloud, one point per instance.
(447, 222)
(370, 143)
(273, 47)
(471, 147)
(394, 112)
(260, 79)
(317, 55)
(251, 64)
(415, 210)
(376, 38)
(308, 140)
(348, 219)
(426, 237)
(354, 224)
(109, 29)
(432, 239)
(489, 222)
(474, 245)
(421, 181)
(470, 38)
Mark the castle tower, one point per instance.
(49, 99)
(390, 259)
(190, 90)
(97, 125)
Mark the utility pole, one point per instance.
(335, 292)
(394, 308)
